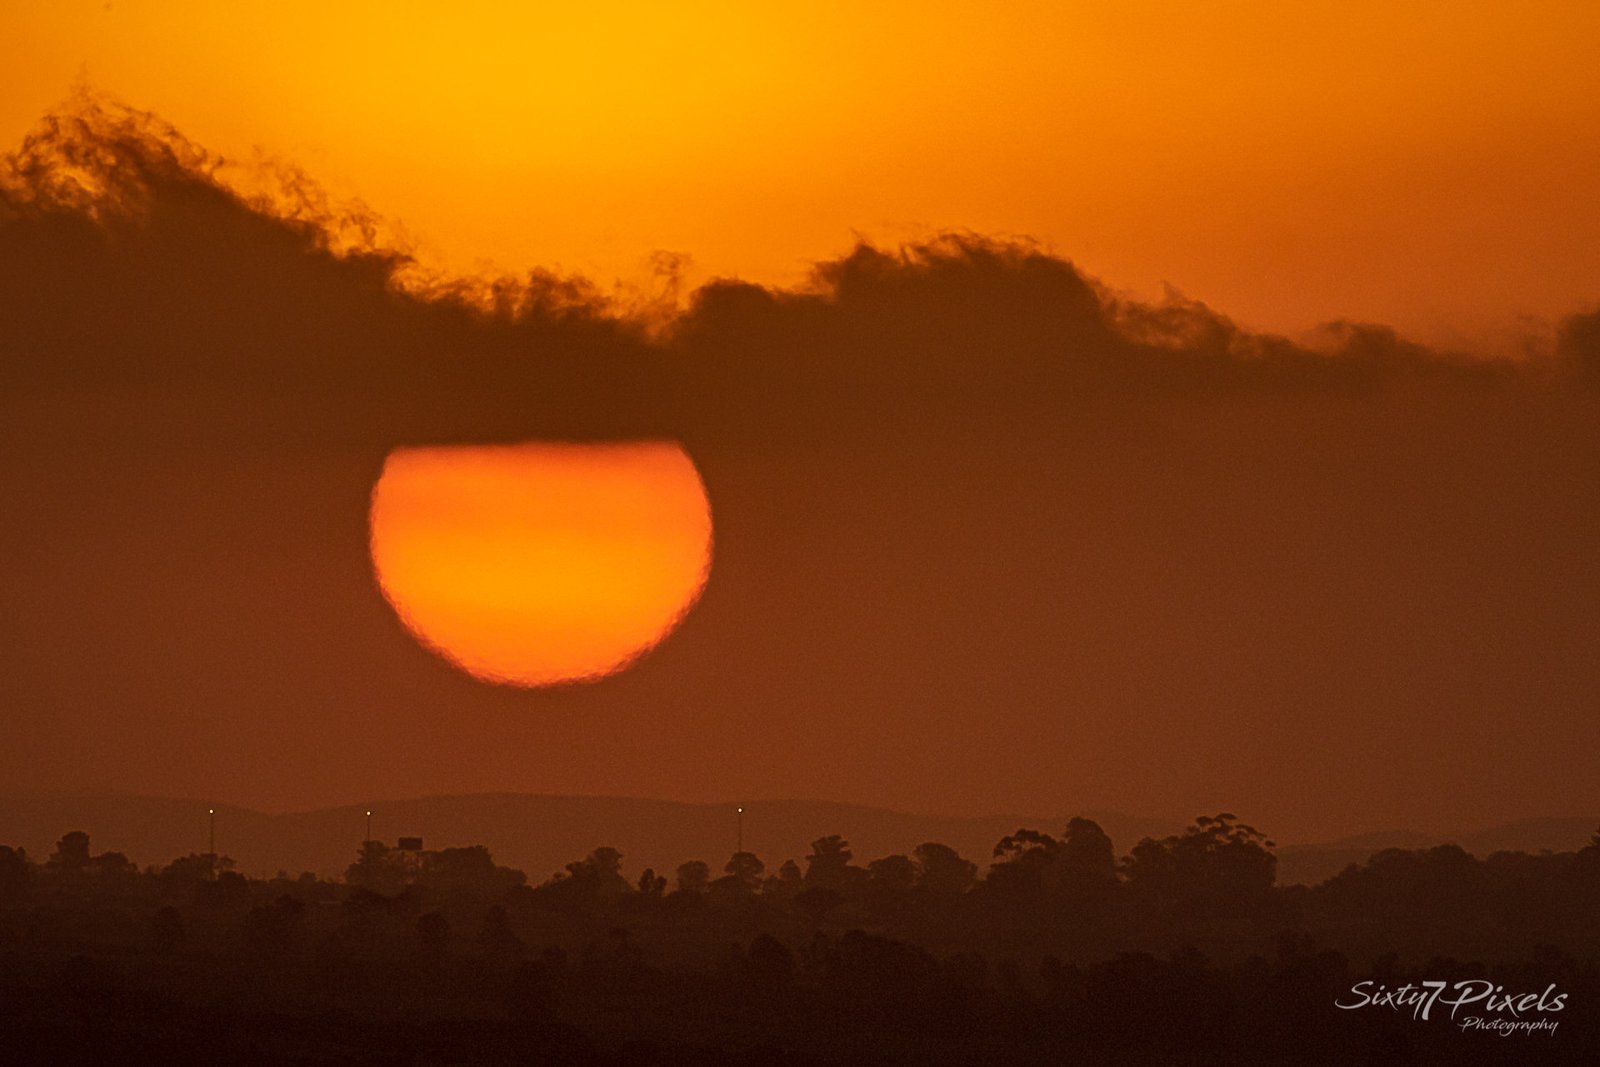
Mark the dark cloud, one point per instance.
(134, 266)
(989, 535)
(133, 270)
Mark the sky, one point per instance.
(992, 533)
(1430, 166)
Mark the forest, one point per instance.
(1056, 949)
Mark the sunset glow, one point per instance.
(541, 563)
(1291, 163)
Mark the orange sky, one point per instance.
(1431, 166)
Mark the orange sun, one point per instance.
(536, 564)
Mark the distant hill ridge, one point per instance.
(539, 833)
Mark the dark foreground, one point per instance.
(1184, 951)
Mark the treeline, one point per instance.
(1183, 949)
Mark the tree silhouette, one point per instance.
(377, 868)
(194, 868)
(471, 872)
(899, 963)
(651, 885)
(1020, 861)
(113, 865)
(16, 873)
(72, 853)
(786, 883)
(693, 876)
(941, 871)
(890, 882)
(1087, 852)
(828, 866)
(746, 868)
(229, 889)
(1218, 860)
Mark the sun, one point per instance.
(541, 563)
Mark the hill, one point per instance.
(1311, 863)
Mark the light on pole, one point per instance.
(369, 826)
(741, 828)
